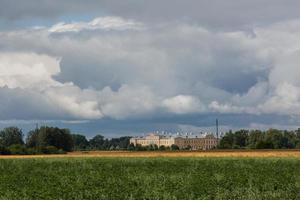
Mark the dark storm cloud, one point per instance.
(22, 104)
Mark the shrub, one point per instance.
(4, 151)
(131, 147)
(174, 147)
(32, 151)
(17, 149)
(61, 151)
(162, 148)
(48, 150)
(112, 148)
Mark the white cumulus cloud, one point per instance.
(183, 104)
(101, 23)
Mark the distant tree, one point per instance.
(162, 148)
(10, 136)
(227, 141)
(4, 151)
(32, 138)
(174, 147)
(124, 142)
(264, 145)
(189, 147)
(50, 150)
(18, 149)
(275, 137)
(150, 148)
(297, 132)
(98, 142)
(139, 147)
(255, 136)
(51, 136)
(240, 138)
(80, 142)
(131, 147)
(111, 148)
(270, 139)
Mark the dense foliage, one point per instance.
(150, 178)
(100, 143)
(51, 136)
(45, 140)
(256, 139)
(10, 136)
(52, 140)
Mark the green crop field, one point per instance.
(150, 178)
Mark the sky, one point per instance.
(129, 67)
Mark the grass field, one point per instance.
(150, 178)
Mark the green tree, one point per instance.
(4, 151)
(10, 136)
(227, 141)
(162, 148)
(255, 137)
(289, 140)
(32, 138)
(131, 147)
(18, 149)
(275, 137)
(80, 142)
(264, 145)
(240, 138)
(124, 142)
(51, 136)
(98, 142)
(174, 147)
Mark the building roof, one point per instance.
(165, 135)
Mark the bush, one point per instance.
(48, 150)
(32, 151)
(174, 147)
(17, 149)
(162, 148)
(4, 151)
(112, 148)
(131, 147)
(265, 145)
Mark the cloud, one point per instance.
(128, 102)
(27, 70)
(209, 13)
(183, 104)
(82, 71)
(79, 104)
(137, 66)
(102, 23)
(285, 100)
(29, 78)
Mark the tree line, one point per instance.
(99, 142)
(257, 139)
(53, 140)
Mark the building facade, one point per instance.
(194, 142)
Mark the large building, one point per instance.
(195, 142)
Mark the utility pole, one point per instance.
(217, 129)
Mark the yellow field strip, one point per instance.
(95, 154)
